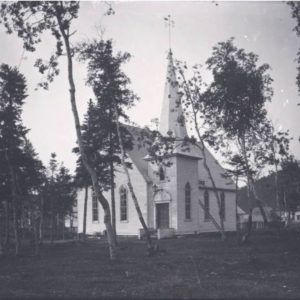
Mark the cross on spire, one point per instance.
(169, 23)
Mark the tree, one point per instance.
(30, 20)
(235, 102)
(277, 151)
(190, 91)
(110, 86)
(66, 197)
(97, 137)
(83, 180)
(60, 196)
(51, 191)
(289, 180)
(21, 170)
(295, 7)
(13, 93)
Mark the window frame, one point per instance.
(206, 206)
(223, 208)
(123, 193)
(95, 208)
(187, 202)
(161, 173)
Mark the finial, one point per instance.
(169, 23)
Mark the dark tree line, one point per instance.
(26, 192)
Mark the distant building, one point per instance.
(257, 218)
(168, 197)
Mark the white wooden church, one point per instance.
(168, 197)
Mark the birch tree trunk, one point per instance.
(252, 195)
(112, 185)
(206, 167)
(202, 149)
(86, 188)
(1, 247)
(6, 234)
(218, 227)
(14, 205)
(134, 198)
(85, 160)
(41, 223)
(52, 219)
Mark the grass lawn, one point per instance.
(190, 267)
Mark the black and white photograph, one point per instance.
(149, 149)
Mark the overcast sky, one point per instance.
(138, 27)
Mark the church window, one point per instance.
(95, 208)
(123, 203)
(206, 206)
(161, 173)
(223, 205)
(187, 201)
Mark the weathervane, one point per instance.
(169, 23)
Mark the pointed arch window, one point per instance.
(206, 206)
(223, 205)
(161, 173)
(187, 201)
(95, 208)
(123, 203)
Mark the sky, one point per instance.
(265, 28)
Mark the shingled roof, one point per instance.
(138, 152)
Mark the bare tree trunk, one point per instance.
(36, 220)
(1, 248)
(202, 149)
(113, 200)
(134, 198)
(103, 201)
(236, 203)
(86, 188)
(218, 227)
(41, 219)
(57, 227)
(1, 236)
(52, 220)
(251, 194)
(63, 226)
(6, 234)
(221, 215)
(112, 186)
(278, 208)
(286, 209)
(14, 205)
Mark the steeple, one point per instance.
(171, 113)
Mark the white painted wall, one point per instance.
(230, 212)
(129, 227)
(187, 171)
(182, 171)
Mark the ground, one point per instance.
(190, 267)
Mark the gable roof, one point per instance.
(217, 172)
(139, 152)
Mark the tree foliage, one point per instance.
(30, 20)
(295, 7)
(235, 111)
(22, 173)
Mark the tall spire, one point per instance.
(171, 119)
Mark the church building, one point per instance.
(168, 196)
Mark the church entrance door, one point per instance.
(162, 215)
